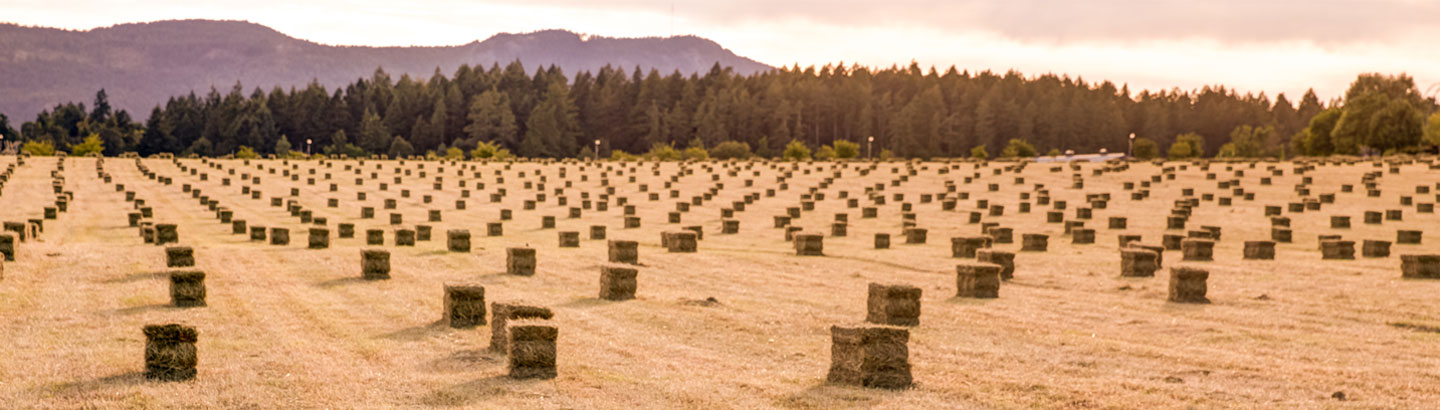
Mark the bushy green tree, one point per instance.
(796, 151)
(1246, 142)
(339, 145)
(1018, 148)
(489, 150)
(979, 152)
(282, 146)
(453, 153)
(245, 152)
(731, 150)
(1380, 112)
(619, 155)
(1194, 146)
(1317, 139)
(92, 145)
(1145, 148)
(400, 148)
(846, 149)
(664, 152)
(38, 148)
(1181, 150)
(825, 153)
(1055, 152)
(1432, 129)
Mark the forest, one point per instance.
(910, 112)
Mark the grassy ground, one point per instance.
(292, 327)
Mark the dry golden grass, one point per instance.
(296, 328)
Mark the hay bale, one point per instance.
(404, 237)
(1005, 259)
(597, 232)
(493, 229)
(531, 350)
(319, 238)
(458, 240)
(1259, 250)
(1420, 266)
(170, 353)
(166, 233)
(680, 241)
(187, 288)
(520, 261)
(179, 257)
(729, 226)
(977, 280)
(1375, 249)
(1337, 249)
(915, 236)
(374, 264)
(1339, 222)
(618, 282)
(347, 230)
(464, 306)
(896, 305)
(1187, 285)
(624, 252)
(1138, 263)
(1159, 252)
(1124, 240)
(839, 229)
(423, 232)
(966, 247)
(870, 356)
(1118, 222)
(257, 233)
(1407, 237)
(882, 241)
(1034, 242)
(1000, 234)
(1082, 236)
(280, 236)
(809, 244)
(503, 313)
(569, 239)
(1281, 235)
(238, 227)
(1193, 249)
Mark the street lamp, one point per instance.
(869, 142)
(307, 146)
(597, 150)
(1131, 150)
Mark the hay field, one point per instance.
(291, 327)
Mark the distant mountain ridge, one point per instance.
(142, 64)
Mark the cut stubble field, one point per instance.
(742, 323)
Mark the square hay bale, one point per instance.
(1420, 266)
(187, 288)
(238, 227)
(170, 353)
(1034, 242)
(257, 233)
(870, 356)
(624, 252)
(915, 236)
(166, 233)
(1082, 236)
(458, 240)
(520, 261)
(1000, 234)
(280, 236)
(464, 306)
(1124, 240)
(597, 232)
(618, 282)
(681, 242)
(1197, 249)
(1005, 259)
(1118, 222)
(569, 239)
(966, 246)
(179, 257)
(374, 237)
(319, 238)
(1259, 250)
(1138, 263)
(404, 237)
(531, 350)
(1407, 237)
(977, 280)
(1337, 249)
(1281, 235)
(882, 241)
(1340, 222)
(729, 226)
(790, 232)
(396, 218)
(809, 244)
(1375, 249)
(1175, 222)
(547, 222)
(891, 304)
(493, 229)
(1187, 285)
(374, 264)
(502, 313)
(1159, 252)
(839, 229)
(632, 222)
(423, 232)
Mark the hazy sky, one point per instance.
(1252, 45)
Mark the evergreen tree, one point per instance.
(491, 119)
(374, 135)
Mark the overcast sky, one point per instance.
(1253, 45)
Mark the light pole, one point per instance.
(869, 143)
(307, 147)
(597, 150)
(1131, 150)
